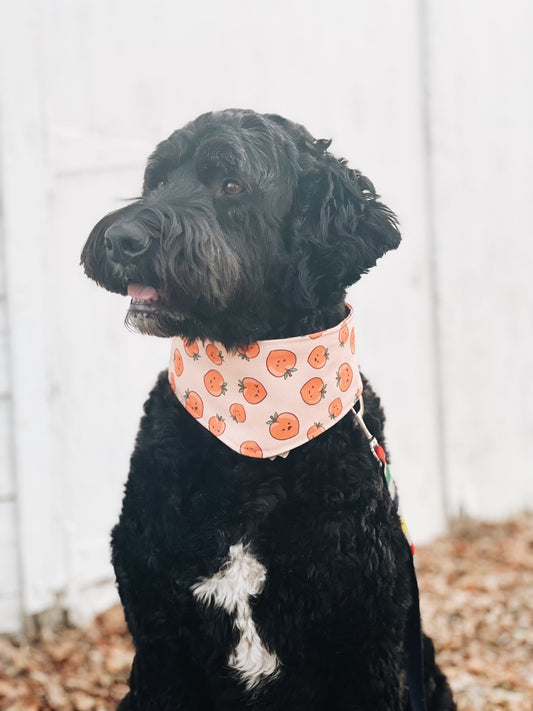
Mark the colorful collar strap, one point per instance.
(271, 396)
(414, 661)
(379, 453)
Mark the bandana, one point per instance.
(271, 396)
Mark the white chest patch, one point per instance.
(241, 577)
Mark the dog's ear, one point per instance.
(340, 229)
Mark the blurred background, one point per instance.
(433, 101)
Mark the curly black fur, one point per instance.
(269, 259)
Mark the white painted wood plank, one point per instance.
(9, 579)
(10, 607)
(10, 614)
(101, 376)
(482, 114)
(7, 484)
(23, 162)
(77, 152)
(4, 348)
(92, 600)
(393, 303)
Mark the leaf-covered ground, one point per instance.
(477, 603)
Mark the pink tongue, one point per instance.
(142, 293)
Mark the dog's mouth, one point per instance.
(144, 299)
(149, 312)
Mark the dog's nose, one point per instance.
(125, 242)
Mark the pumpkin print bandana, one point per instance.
(271, 396)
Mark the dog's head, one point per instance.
(245, 223)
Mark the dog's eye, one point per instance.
(231, 187)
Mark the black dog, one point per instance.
(251, 582)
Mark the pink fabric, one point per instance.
(272, 396)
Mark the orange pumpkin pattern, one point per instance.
(251, 449)
(313, 391)
(217, 425)
(335, 408)
(266, 398)
(214, 354)
(318, 357)
(344, 377)
(178, 363)
(315, 430)
(191, 349)
(280, 363)
(214, 383)
(172, 380)
(194, 404)
(284, 426)
(237, 412)
(252, 390)
(248, 352)
(343, 334)
(352, 341)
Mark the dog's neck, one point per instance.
(270, 396)
(250, 322)
(286, 323)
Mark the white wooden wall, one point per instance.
(432, 100)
